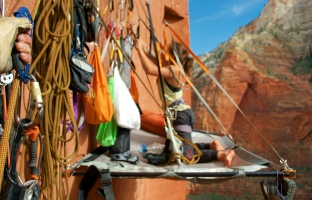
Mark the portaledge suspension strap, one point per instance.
(90, 178)
(155, 49)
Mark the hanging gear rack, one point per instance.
(127, 59)
(22, 70)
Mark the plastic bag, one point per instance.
(106, 134)
(126, 113)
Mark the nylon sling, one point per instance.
(90, 178)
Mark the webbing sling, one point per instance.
(90, 178)
(90, 157)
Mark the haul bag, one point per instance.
(98, 105)
(153, 123)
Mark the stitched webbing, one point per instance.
(7, 127)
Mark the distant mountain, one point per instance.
(266, 67)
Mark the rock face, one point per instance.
(13, 5)
(176, 13)
(266, 68)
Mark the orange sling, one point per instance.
(133, 89)
(98, 106)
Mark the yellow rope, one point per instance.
(35, 9)
(53, 37)
(7, 127)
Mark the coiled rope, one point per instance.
(53, 37)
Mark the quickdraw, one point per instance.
(14, 187)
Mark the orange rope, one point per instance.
(200, 63)
(7, 127)
(4, 117)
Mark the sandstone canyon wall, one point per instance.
(266, 68)
(263, 68)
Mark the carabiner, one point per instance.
(36, 94)
(6, 79)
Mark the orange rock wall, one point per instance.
(176, 13)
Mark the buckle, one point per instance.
(173, 113)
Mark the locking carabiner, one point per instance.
(36, 94)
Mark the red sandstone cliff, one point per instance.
(259, 68)
(266, 68)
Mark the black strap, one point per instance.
(92, 155)
(106, 181)
(16, 144)
(80, 28)
(90, 178)
(177, 102)
(131, 5)
(12, 190)
(153, 38)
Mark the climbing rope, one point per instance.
(164, 48)
(284, 165)
(52, 44)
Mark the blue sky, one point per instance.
(215, 21)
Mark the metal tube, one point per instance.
(3, 8)
(188, 174)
